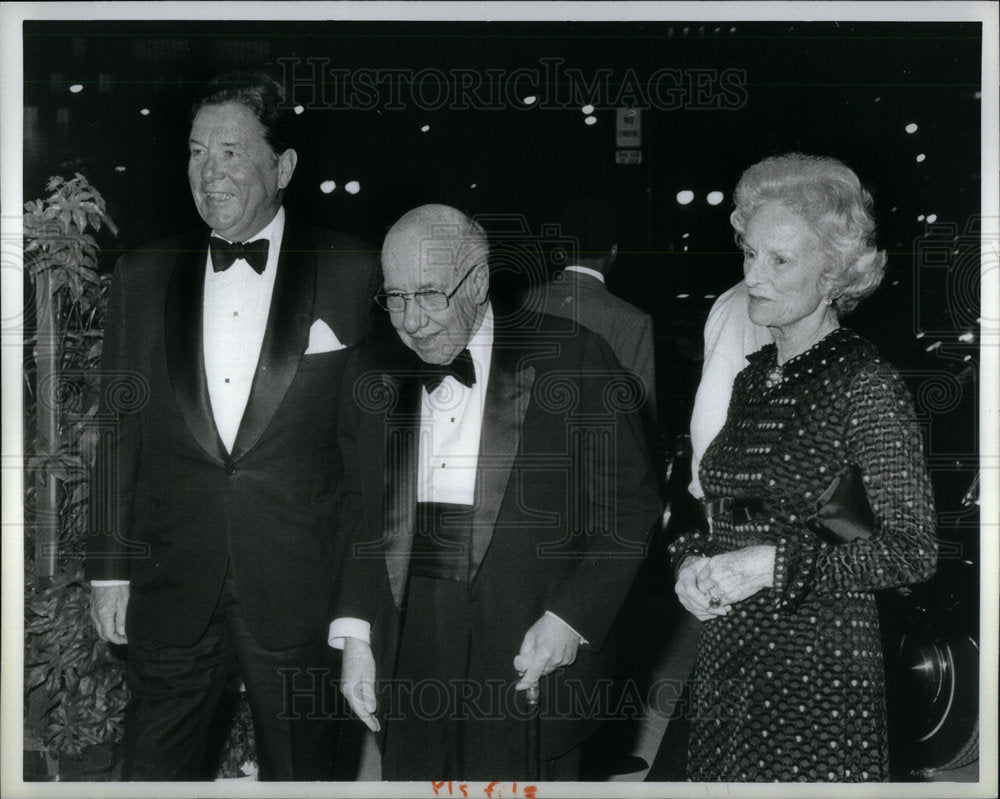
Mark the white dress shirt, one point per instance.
(237, 303)
(451, 424)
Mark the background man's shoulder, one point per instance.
(624, 310)
(529, 327)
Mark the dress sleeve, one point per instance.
(693, 543)
(881, 436)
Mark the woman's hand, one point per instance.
(695, 600)
(734, 576)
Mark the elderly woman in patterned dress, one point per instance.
(789, 680)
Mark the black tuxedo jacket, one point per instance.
(171, 509)
(565, 499)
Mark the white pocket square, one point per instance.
(322, 339)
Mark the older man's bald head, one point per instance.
(441, 234)
(437, 248)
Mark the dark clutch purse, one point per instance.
(842, 511)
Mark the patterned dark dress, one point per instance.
(789, 685)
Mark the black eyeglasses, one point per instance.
(430, 300)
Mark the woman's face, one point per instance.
(783, 265)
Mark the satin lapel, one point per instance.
(402, 429)
(285, 339)
(183, 339)
(507, 396)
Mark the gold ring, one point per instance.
(714, 602)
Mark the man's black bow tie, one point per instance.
(461, 369)
(224, 253)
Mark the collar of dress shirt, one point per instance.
(273, 232)
(480, 346)
(585, 270)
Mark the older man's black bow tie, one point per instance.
(461, 369)
(225, 252)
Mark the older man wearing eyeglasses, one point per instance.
(500, 497)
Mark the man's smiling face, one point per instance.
(236, 178)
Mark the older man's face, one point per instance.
(413, 263)
(236, 178)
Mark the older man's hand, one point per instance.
(108, 605)
(357, 680)
(548, 644)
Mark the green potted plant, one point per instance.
(74, 685)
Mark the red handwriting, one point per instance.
(437, 786)
(494, 790)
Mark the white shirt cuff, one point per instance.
(97, 583)
(554, 616)
(346, 627)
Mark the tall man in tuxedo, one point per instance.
(214, 544)
(501, 497)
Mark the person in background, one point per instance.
(579, 292)
(501, 496)
(214, 548)
(788, 684)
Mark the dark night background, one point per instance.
(846, 90)
(841, 89)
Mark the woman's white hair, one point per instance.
(829, 197)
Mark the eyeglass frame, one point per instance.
(382, 298)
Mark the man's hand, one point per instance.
(357, 680)
(108, 604)
(548, 644)
(694, 594)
